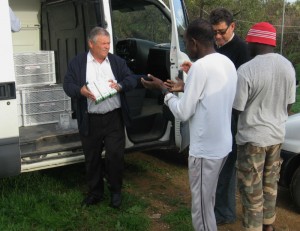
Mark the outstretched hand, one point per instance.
(152, 82)
(185, 66)
(175, 86)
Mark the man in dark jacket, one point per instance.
(101, 124)
(235, 48)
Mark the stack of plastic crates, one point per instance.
(40, 100)
(43, 105)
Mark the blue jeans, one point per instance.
(225, 195)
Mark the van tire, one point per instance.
(295, 188)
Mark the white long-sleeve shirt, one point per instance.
(207, 105)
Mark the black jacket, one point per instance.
(236, 50)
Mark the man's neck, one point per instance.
(226, 41)
(97, 58)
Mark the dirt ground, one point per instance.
(166, 175)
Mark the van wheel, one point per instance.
(295, 188)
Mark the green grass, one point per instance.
(50, 200)
(179, 220)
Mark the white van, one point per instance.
(38, 121)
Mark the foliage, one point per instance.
(296, 106)
(146, 23)
(248, 12)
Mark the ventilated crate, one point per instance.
(43, 105)
(34, 68)
(43, 118)
(19, 108)
(43, 94)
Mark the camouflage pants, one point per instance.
(258, 171)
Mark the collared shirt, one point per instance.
(226, 41)
(95, 71)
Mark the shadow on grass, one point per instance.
(170, 156)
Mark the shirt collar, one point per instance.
(227, 41)
(90, 58)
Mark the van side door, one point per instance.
(177, 57)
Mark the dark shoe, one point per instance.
(115, 200)
(268, 228)
(91, 200)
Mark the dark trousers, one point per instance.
(226, 190)
(225, 204)
(105, 131)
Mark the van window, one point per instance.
(145, 22)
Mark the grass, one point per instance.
(180, 220)
(50, 200)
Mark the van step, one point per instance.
(45, 139)
(57, 148)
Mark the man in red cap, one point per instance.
(266, 90)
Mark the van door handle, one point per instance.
(7, 90)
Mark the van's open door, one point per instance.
(177, 57)
(10, 162)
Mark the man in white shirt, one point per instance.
(207, 104)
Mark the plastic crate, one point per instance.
(43, 105)
(44, 118)
(34, 68)
(19, 108)
(43, 94)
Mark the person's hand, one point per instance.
(185, 66)
(175, 86)
(152, 82)
(115, 85)
(87, 93)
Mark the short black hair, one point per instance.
(220, 15)
(201, 30)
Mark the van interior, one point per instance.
(141, 36)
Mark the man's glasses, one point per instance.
(221, 32)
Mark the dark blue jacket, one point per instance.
(75, 78)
